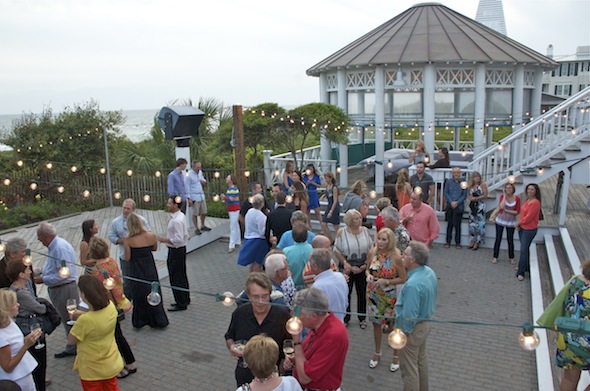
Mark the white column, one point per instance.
(343, 148)
(565, 189)
(379, 127)
(517, 115)
(480, 108)
(324, 94)
(343, 152)
(429, 107)
(537, 94)
(267, 167)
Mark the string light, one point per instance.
(397, 339)
(154, 297)
(464, 185)
(33, 186)
(277, 172)
(528, 339)
(27, 260)
(389, 165)
(417, 190)
(338, 169)
(64, 271)
(373, 194)
(247, 173)
(129, 172)
(146, 198)
(216, 198)
(541, 171)
(216, 174)
(49, 166)
(108, 281)
(60, 189)
(289, 199)
(117, 195)
(294, 325)
(250, 199)
(511, 179)
(178, 199)
(73, 169)
(500, 147)
(20, 163)
(102, 170)
(158, 174)
(228, 299)
(86, 193)
(6, 182)
(2, 247)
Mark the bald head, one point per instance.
(321, 241)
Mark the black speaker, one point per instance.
(180, 121)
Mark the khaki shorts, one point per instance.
(199, 208)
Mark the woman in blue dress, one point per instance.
(287, 180)
(332, 214)
(312, 182)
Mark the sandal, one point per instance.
(447, 245)
(363, 324)
(513, 261)
(494, 260)
(123, 374)
(374, 363)
(393, 367)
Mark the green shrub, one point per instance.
(217, 209)
(28, 213)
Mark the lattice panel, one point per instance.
(499, 77)
(361, 80)
(390, 78)
(416, 77)
(529, 78)
(455, 77)
(332, 82)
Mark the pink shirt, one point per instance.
(423, 226)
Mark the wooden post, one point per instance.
(240, 151)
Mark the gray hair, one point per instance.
(257, 201)
(15, 245)
(419, 252)
(320, 257)
(298, 216)
(273, 263)
(47, 229)
(129, 201)
(390, 213)
(312, 300)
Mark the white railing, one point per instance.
(537, 141)
(450, 145)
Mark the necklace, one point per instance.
(264, 380)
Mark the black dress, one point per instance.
(142, 266)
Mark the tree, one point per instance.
(259, 124)
(311, 121)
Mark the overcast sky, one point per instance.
(141, 54)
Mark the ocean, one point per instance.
(136, 127)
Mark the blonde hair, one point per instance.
(7, 301)
(391, 248)
(135, 225)
(358, 187)
(261, 354)
(403, 177)
(349, 215)
(329, 174)
(476, 174)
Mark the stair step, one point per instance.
(573, 149)
(557, 157)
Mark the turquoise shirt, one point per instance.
(417, 298)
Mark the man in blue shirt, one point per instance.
(176, 185)
(455, 196)
(60, 289)
(333, 284)
(417, 300)
(298, 254)
(298, 217)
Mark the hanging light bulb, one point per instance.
(146, 198)
(426, 160)
(129, 172)
(536, 139)
(20, 163)
(573, 132)
(308, 172)
(277, 172)
(178, 199)
(2, 247)
(417, 190)
(33, 186)
(73, 169)
(158, 174)
(338, 169)
(246, 173)
(27, 260)
(102, 170)
(64, 271)
(500, 147)
(216, 174)
(511, 179)
(528, 339)
(60, 189)
(250, 199)
(117, 195)
(154, 297)
(294, 325)
(541, 170)
(463, 154)
(6, 182)
(464, 185)
(373, 194)
(228, 299)
(108, 281)
(86, 193)
(49, 166)
(289, 199)
(397, 339)
(389, 165)
(216, 198)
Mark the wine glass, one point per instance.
(239, 346)
(288, 348)
(34, 327)
(71, 306)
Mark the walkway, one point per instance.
(191, 354)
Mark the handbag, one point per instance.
(50, 318)
(120, 312)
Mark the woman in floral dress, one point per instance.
(384, 271)
(478, 192)
(573, 350)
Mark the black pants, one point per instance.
(39, 372)
(454, 217)
(123, 346)
(509, 237)
(360, 281)
(177, 271)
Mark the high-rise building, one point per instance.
(490, 13)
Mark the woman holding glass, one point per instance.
(351, 247)
(508, 210)
(528, 222)
(98, 360)
(16, 363)
(312, 182)
(261, 354)
(28, 310)
(478, 193)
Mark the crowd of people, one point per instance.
(289, 266)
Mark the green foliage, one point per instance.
(216, 209)
(28, 213)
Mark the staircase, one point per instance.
(553, 142)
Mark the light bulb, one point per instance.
(500, 147)
(146, 198)
(389, 165)
(49, 166)
(178, 199)
(158, 174)
(426, 160)
(86, 193)
(6, 182)
(2, 247)
(102, 170)
(338, 169)
(20, 163)
(154, 297)
(397, 339)
(528, 340)
(60, 189)
(64, 271)
(373, 194)
(73, 168)
(463, 153)
(289, 199)
(294, 325)
(108, 281)
(216, 174)
(216, 198)
(417, 190)
(574, 132)
(247, 173)
(33, 186)
(464, 185)
(277, 172)
(129, 172)
(308, 172)
(27, 260)
(511, 179)
(250, 199)
(541, 171)
(117, 195)
(228, 299)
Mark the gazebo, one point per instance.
(429, 66)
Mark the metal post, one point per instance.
(106, 153)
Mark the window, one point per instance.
(558, 89)
(545, 88)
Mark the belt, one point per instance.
(64, 284)
(313, 389)
(177, 248)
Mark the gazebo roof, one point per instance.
(431, 33)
